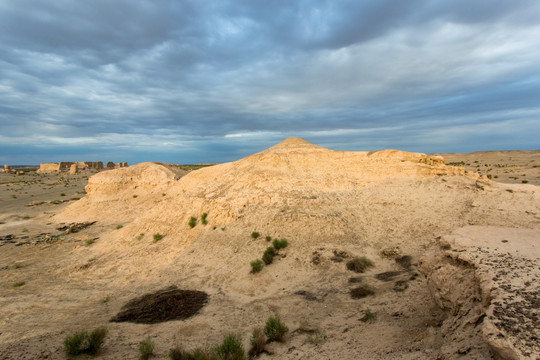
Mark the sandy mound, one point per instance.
(324, 202)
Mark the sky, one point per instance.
(212, 81)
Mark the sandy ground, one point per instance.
(503, 166)
(71, 283)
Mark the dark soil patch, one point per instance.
(164, 305)
(307, 295)
(405, 261)
(75, 227)
(361, 292)
(400, 286)
(388, 275)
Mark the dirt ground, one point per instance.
(55, 282)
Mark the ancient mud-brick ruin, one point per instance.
(74, 167)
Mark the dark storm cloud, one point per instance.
(215, 80)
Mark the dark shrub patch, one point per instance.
(164, 305)
(361, 292)
(388, 275)
(359, 264)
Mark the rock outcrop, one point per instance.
(488, 281)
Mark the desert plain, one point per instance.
(453, 238)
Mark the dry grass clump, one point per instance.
(84, 343)
(359, 264)
(257, 341)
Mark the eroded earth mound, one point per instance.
(389, 206)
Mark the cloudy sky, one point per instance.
(211, 81)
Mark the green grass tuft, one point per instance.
(192, 222)
(255, 235)
(119, 226)
(274, 329)
(203, 218)
(256, 266)
(146, 348)
(231, 348)
(84, 343)
(18, 284)
(157, 237)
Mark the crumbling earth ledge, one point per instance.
(487, 279)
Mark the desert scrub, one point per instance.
(157, 237)
(317, 337)
(231, 348)
(84, 343)
(359, 264)
(192, 222)
(256, 266)
(274, 329)
(257, 342)
(135, 196)
(119, 226)
(255, 235)
(268, 238)
(524, 181)
(280, 244)
(146, 348)
(140, 236)
(62, 194)
(18, 284)
(268, 256)
(203, 218)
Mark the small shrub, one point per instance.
(524, 181)
(89, 241)
(268, 238)
(157, 237)
(255, 235)
(146, 348)
(369, 316)
(359, 264)
(106, 299)
(135, 196)
(231, 348)
(257, 342)
(277, 244)
(17, 265)
(317, 337)
(268, 256)
(192, 222)
(96, 339)
(283, 243)
(140, 236)
(62, 194)
(84, 343)
(203, 218)
(18, 284)
(256, 266)
(119, 226)
(73, 345)
(177, 353)
(274, 329)
(24, 230)
(14, 196)
(163, 194)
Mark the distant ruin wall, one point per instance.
(48, 167)
(66, 166)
